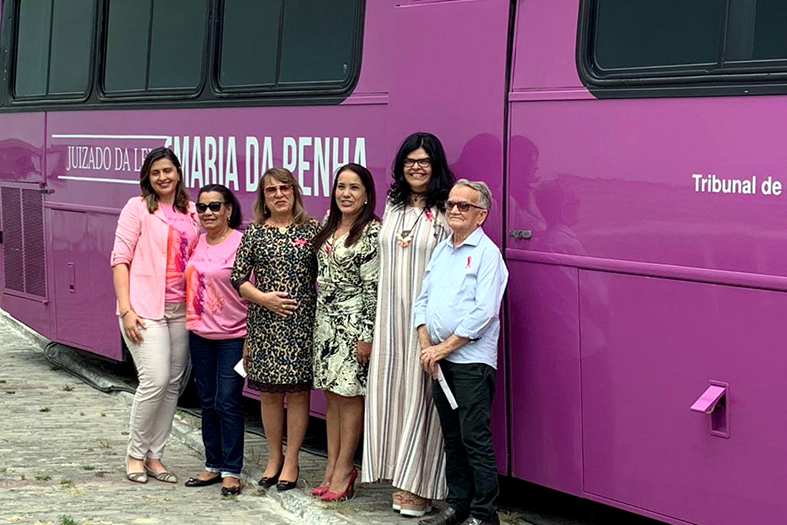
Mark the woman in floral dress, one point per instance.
(277, 249)
(346, 302)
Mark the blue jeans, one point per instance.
(220, 391)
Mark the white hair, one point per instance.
(485, 196)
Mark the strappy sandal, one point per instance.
(136, 477)
(164, 475)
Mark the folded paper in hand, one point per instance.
(449, 396)
(239, 368)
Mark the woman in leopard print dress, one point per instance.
(278, 250)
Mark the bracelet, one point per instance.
(124, 313)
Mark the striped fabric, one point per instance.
(403, 441)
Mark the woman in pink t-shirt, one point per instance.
(216, 320)
(155, 236)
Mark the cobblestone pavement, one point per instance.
(62, 448)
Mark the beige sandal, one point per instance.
(136, 477)
(164, 475)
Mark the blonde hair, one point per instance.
(283, 175)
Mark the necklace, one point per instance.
(405, 237)
(282, 229)
(218, 239)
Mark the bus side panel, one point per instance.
(82, 286)
(101, 236)
(543, 305)
(650, 347)
(545, 41)
(22, 147)
(22, 166)
(457, 92)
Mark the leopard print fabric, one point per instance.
(280, 348)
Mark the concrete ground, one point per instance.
(62, 444)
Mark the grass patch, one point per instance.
(68, 520)
(513, 517)
(88, 467)
(104, 443)
(103, 414)
(43, 477)
(3, 381)
(54, 367)
(347, 508)
(68, 388)
(44, 409)
(67, 482)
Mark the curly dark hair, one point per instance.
(442, 177)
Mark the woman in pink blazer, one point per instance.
(155, 237)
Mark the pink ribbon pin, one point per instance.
(469, 260)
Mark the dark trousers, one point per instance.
(470, 468)
(220, 391)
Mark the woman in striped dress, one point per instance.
(403, 441)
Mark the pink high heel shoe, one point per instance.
(319, 490)
(348, 493)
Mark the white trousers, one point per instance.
(161, 359)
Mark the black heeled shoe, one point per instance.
(288, 485)
(267, 482)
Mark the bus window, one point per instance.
(667, 46)
(249, 43)
(155, 45)
(53, 48)
(653, 33)
(759, 33)
(317, 47)
(278, 45)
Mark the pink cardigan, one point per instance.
(141, 242)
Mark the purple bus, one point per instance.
(632, 149)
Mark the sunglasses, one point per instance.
(462, 205)
(283, 188)
(214, 206)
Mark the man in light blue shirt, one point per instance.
(458, 323)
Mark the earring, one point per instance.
(366, 202)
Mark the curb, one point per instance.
(294, 501)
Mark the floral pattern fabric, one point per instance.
(346, 305)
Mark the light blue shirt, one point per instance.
(461, 294)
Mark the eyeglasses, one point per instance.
(273, 190)
(424, 162)
(214, 206)
(462, 205)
